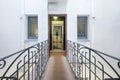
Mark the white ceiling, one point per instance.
(55, 4)
(57, 1)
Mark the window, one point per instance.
(82, 27)
(32, 27)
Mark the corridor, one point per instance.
(58, 68)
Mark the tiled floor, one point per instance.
(58, 68)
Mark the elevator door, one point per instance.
(57, 37)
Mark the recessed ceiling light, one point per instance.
(55, 17)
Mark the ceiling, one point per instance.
(56, 1)
(57, 4)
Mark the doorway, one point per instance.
(57, 32)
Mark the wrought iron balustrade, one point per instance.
(90, 64)
(27, 64)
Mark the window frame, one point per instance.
(28, 24)
(86, 29)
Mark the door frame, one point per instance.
(49, 25)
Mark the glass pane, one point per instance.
(32, 27)
(82, 27)
(57, 37)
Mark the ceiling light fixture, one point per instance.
(55, 17)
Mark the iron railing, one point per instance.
(27, 64)
(90, 64)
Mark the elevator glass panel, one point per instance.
(57, 36)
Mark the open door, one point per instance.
(57, 32)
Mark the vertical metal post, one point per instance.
(32, 65)
(24, 67)
(85, 65)
(77, 59)
(28, 64)
(18, 69)
(89, 64)
(82, 65)
(38, 45)
(73, 56)
(102, 69)
(94, 66)
(35, 66)
(40, 59)
(41, 56)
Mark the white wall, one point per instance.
(106, 30)
(39, 8)
(103, 23)
(57, 6)
(10, 27)
(13, 24)
(74, 9)
(107, 27)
